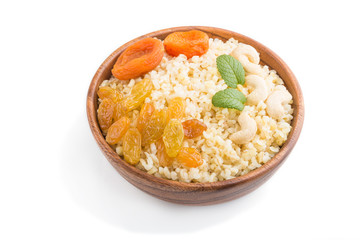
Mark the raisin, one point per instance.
(173, 137)
(105, 114)
(132, 146)
(164, 159)
(138, 94)
(145, 113)
(154, 128)
(189, 157)
(119, 111)
(191, 43)
(117, 130)
(108, 92)
(138, 59)
(176, 108)
(193, 128)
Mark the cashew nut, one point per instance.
(260, 92)
(274, 103)
(248, 129)
(249, 51)
(249, 58)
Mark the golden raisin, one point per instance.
(145, 113)
(189, 157)
(193, 128)
(176, 108)
(164, 159)
(138, 94)
(119, 111)
(138, 59)
(173, 137)
(105, 113)
(108, 92)
(117, 130)
(191, 43)
(132, 146)
(154, 128)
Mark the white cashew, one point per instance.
(248, 129)
(249, 58)
(248, 51)
(260, 92)
(274, 103)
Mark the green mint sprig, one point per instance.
(233, 74)
(229, 98)
(230, 70)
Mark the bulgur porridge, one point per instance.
(185, 118)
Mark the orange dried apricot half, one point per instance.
(191, 43)
(138, 59)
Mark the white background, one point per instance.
(55, 182)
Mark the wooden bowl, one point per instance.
(199, 193)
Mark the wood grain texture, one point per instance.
(200, 193)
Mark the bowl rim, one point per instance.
(273, 163)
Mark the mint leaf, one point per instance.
(229, 98)
(230, 70)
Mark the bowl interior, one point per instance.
(267, 56)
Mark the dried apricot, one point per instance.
(138, 94)
(108, 92)
(132, 146)
(189, 157)
(193, 128)
(105, 113)
(176, 108)
(154, 128)
(117, 130)
(164, 159)
(173, 137)
(191, 43)
(145, 113)
(138, 59)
